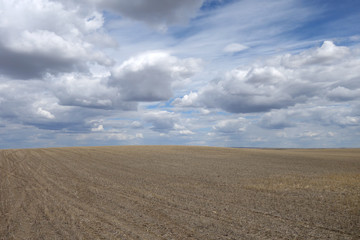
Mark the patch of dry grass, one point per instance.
(345, 187)
(343, 182)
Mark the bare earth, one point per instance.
(175, 192)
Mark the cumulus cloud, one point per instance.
(86, 90)
(159, 13)
(29, 105)
(328, 53)
(45, 113)
(188, 100)
(283, 81)
(338, 116)
(277, 119)
(231, 126)
(32, 103)
(98, 128)
(39, 37)
(343, 94)
(257, 89)
(310, 134)
(186, 132)
(136, 125)
(149, 76)
(295, 98)
(56, 74)
(168, 123)
(161, 121)
(123, 136)
(110, 136)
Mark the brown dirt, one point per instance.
(175, 192)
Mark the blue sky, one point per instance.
(239, 73)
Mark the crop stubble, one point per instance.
(177, 192)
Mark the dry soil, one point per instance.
(176, 192)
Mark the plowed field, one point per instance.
(175, 192)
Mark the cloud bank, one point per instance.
(95, 72)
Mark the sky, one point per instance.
(234, 73)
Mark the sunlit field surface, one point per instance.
(177, 192)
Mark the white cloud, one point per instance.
(235, 47)
(311, 96)
(139, 135)
(98, 128)
(123, 136)
(343, 94)
(186, 132)
(149, 76)
(158, 13)
(310, 134)
(136, 124)
(85, 90)
(327, 54)
(57, 73)
(245, 91)
(188, 100)
(41, 36)
(231, 126)
(244, 22)
(331, 134)
(278, 119)
(325, 116)
(161, 121)
(282, 81)
(45, 113)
